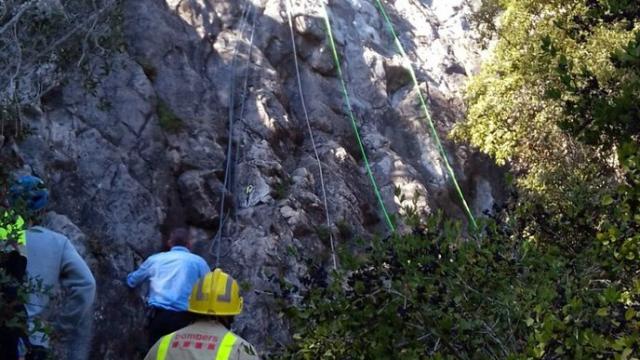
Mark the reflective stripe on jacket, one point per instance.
(206, 340)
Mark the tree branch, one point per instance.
(73, 31)
(17, 16)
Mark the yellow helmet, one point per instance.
(216, 293)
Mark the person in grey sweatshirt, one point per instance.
(53, 260)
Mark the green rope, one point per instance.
(423, 104)
(345, 93)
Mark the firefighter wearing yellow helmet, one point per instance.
(214, 301)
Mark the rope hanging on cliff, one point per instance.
(425, 108)
(227, 173)
(288, 6)
(243, 98)
(345, 94)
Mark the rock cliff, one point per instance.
(146, 145)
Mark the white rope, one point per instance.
(245, 83)
(288, 5)
(243, 97)
(218, 238)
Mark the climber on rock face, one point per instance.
(213, 303)
(53, 261)
(171, 276)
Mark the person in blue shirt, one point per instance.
(171, 277)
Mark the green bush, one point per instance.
(499, 295)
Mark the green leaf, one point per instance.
(529, 321)
(606, 200)
(629, 314)
(603, 312)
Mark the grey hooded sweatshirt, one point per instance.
(52, 259)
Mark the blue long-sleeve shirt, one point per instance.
(171, 275)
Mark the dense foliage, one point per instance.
(555, 273)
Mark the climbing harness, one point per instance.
(425, 108)
(228, 168)
(349, 109)
(288, 5)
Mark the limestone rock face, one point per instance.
(148, 147)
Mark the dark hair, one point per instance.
(179, 237)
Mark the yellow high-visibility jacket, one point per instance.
(202, 340)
